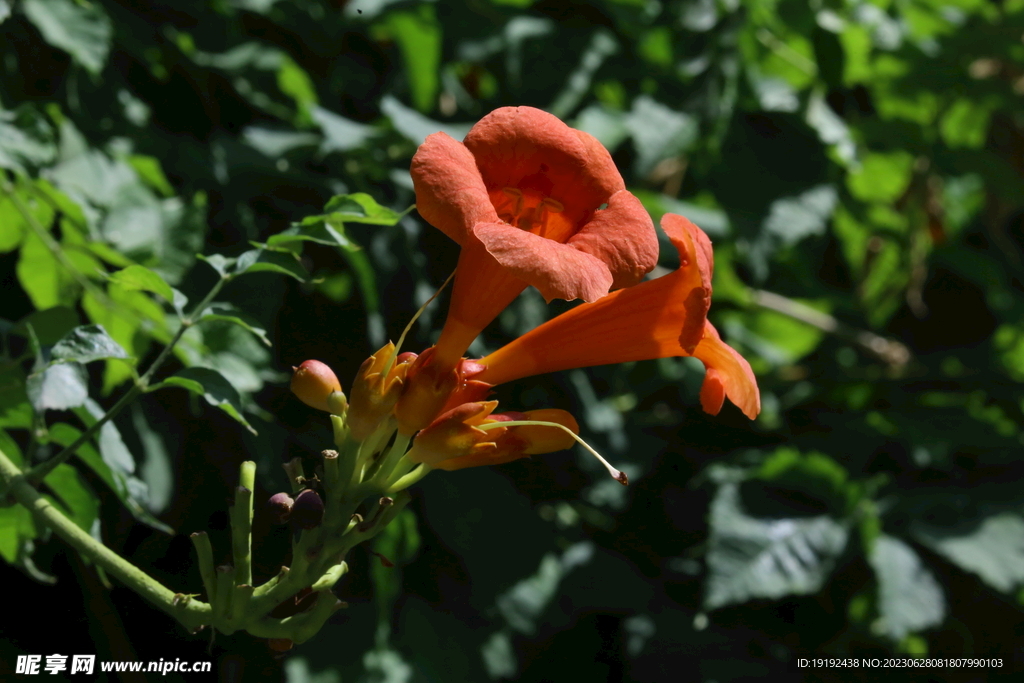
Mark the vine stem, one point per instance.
(191, 613)
(39, 472)
(888, 350)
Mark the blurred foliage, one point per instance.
(858, 164)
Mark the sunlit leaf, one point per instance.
(58, 387)
(360, 208)
(137, 277)
(910, 600)
(263, 260)
(750, 557)
(882, 177)
(151, 173)
(414, 125)
(86, 344)
(340, 134)
(992, 548)
(46, 281)
(82, 30)
(418, 35)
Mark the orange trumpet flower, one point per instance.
(654, 319)
(531, 201)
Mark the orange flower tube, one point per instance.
(654, 319)
(531, 201)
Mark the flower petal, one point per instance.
(655, 319)
(623, 237)
(559, 271)
(516, 144)
(450, 193)
(728, 375)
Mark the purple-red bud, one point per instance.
(280, 507)
(308, 510)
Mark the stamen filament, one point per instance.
(617, 475)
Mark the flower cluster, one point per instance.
(531, 202)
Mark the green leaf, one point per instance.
(276, 143)
(82, 30)
(156, 469)
(263, 260)
(658, 132)
(992, 548)
(49, 325)
(109, 254)
(296, 83)
(882, 177)
(137, 277)
(69, 487)
(86, 344)
(750, 557)
(151, 173)
(791, 219)
(12, 225)
(340, 134)
(110, 470)
(811, 476)
(15, 409)
(16, 527)
(22, 146)
(222, 264)
(112, 447)
(361, 208)
(237, 318)
(320, 229)
(524, 603)
(57, 387)
(182, 236)
(212, 386)
(909, 598)
(965, 123)
(43, 278)
(414, 125)
(418, 34)
(123, 323)
(712, 221)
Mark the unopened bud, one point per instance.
(547, 439)
(376, 389)
(308, 510)
(427, 390)
(280, 507)
(318, 387)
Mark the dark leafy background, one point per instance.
(858, 165)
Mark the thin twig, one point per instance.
(39, 472)
(890, 351)
(191, 613)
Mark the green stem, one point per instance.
(191, 613)
(207, 570)
(241, 524)
(39, 472)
